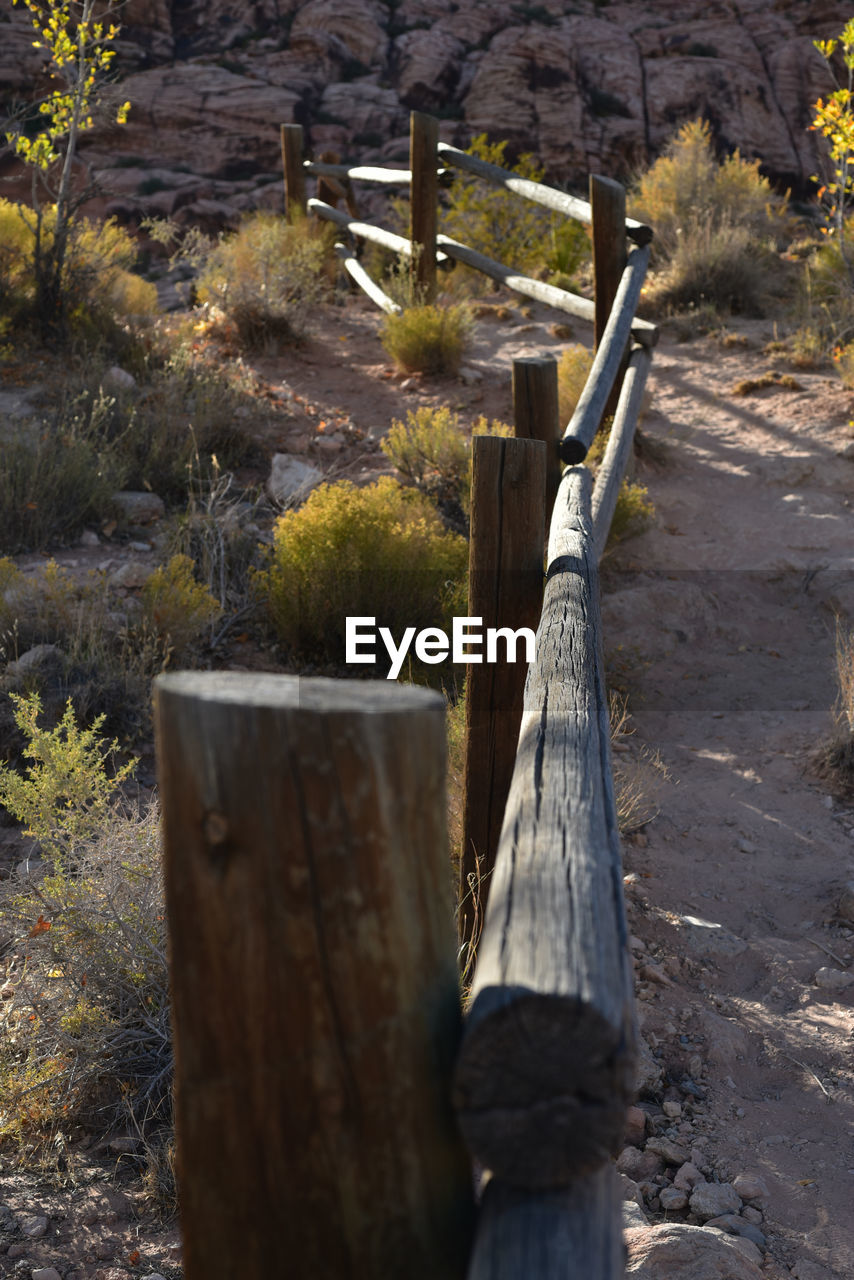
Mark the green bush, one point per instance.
(432, 453)
(86, 1014)
(267, 279)
(380, 551)
(427, 339)
(504, 226)
(716, 225)
(177, 607)
(98, 284)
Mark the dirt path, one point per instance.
(727, 613)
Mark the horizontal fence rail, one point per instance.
(618, 450)
(538, 192)
(607, 362)
(545, 1071)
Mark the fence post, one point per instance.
(424, 202)
(315, 986)
(536, 414)
(505, 590)
(292, 158)
(608, 205)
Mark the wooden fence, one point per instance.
(319, 1044)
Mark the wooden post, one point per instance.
(546, 1068)
(424, 199)
(505, 590)
(608, 205)
(551, 1235)
(314, 978)
(536, 414)
(292, 160)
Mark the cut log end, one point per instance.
(541, 1088)
(572, 451)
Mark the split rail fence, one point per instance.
(324, 1073)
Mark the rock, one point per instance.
(291, 479)
(672, 1200)
(712, 1199)
(635, 1128)
(669, 1151)
(687, 1177)
(43, 660)
(638, 1165)
(847, 450)
(735, 1225)
(118, 379)
(629, 1190)
(89, 538)
(751, 1215)
(139, 508)
(123, 1145)
(682, 1252)
(647, 1070)
(751, 1188)
(806, 1269)
(845, 905)
(46, 1273)
(34, 1226)
(633, 1216)
(131, 575)
(470, 376)
(828, 979)
(672, 1109)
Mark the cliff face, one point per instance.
(586, 86)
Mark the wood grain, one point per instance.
(545, 1069)
(618, 450)
(315, 988)
(292, 163)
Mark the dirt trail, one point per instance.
(727, 610)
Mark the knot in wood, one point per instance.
(215, 827)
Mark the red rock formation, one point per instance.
(585, 85)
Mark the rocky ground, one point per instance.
(720, 625)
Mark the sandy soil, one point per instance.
(720, 624)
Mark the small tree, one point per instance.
(77, 45)
(834, 120)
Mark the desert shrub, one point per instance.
(427, 339)
(432, 453)
(266, 279)
(834, 760)
(178, 608)
(716, 225)
(380, 551)
(104, 655)
(639, 771)
(573, 369)
(52, 484)
(86, 1018)
(98, 284)
(504, 226)
(633, 512)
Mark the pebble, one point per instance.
(712, 1199)
(638, 1165)
(46, 1273)
(829, 979)
(635, 1128)
(736, 1226)
(672, 1109)
(672, 1199)
(35, 1226)
(89, 538)
(687, 1177)
(751, 1188)
(669, 1151)
(746, 846)
(131, 575)
(751, 1215)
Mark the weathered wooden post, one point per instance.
(608, 205)
(536, 415)
(292, 161)
(315, 987)
(505, 590)
(424, 200)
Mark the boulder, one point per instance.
(682, 1252)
